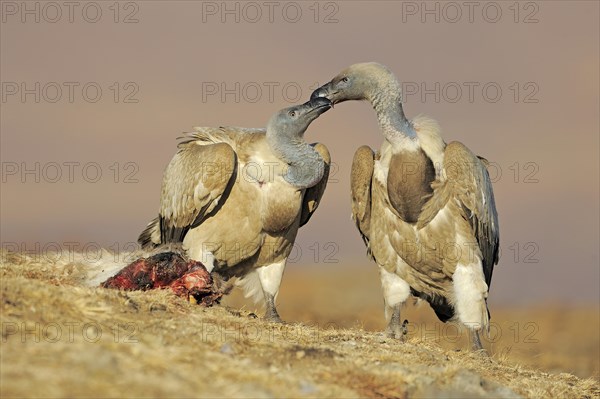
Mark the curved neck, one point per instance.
(392, 121)
(305, 165)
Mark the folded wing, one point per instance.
(195, 184)
(468, 182)
(313, 195)
(360, 185)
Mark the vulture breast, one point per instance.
(281, 205)
(409, 183)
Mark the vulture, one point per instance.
(425, 209)
(234, 198)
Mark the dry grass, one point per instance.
(553, 337)
(138, 344)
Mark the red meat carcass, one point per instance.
(187, 278)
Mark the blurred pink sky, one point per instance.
(517, 84)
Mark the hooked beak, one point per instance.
(323, 91)
(319, 105)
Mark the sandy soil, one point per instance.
(62, 339)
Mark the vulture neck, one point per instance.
(393, 123)
(305, 165)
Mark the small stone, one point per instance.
(307, 388)
(226, 349)
(158, 307)
(300, 354)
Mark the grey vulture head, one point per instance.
(292, 122)
(286, 130)
(364, 81)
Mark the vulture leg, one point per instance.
(270, 279)
(395, 328)
(395, 293)
(475, 340)
(271, 311)
(470, 292)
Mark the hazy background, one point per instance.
(541, 130)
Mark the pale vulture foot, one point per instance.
(476, 343)
(395, 293)
(395, 329)
(271, 314)
(270, 279)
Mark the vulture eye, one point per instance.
(292, 113)
(345, 79)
